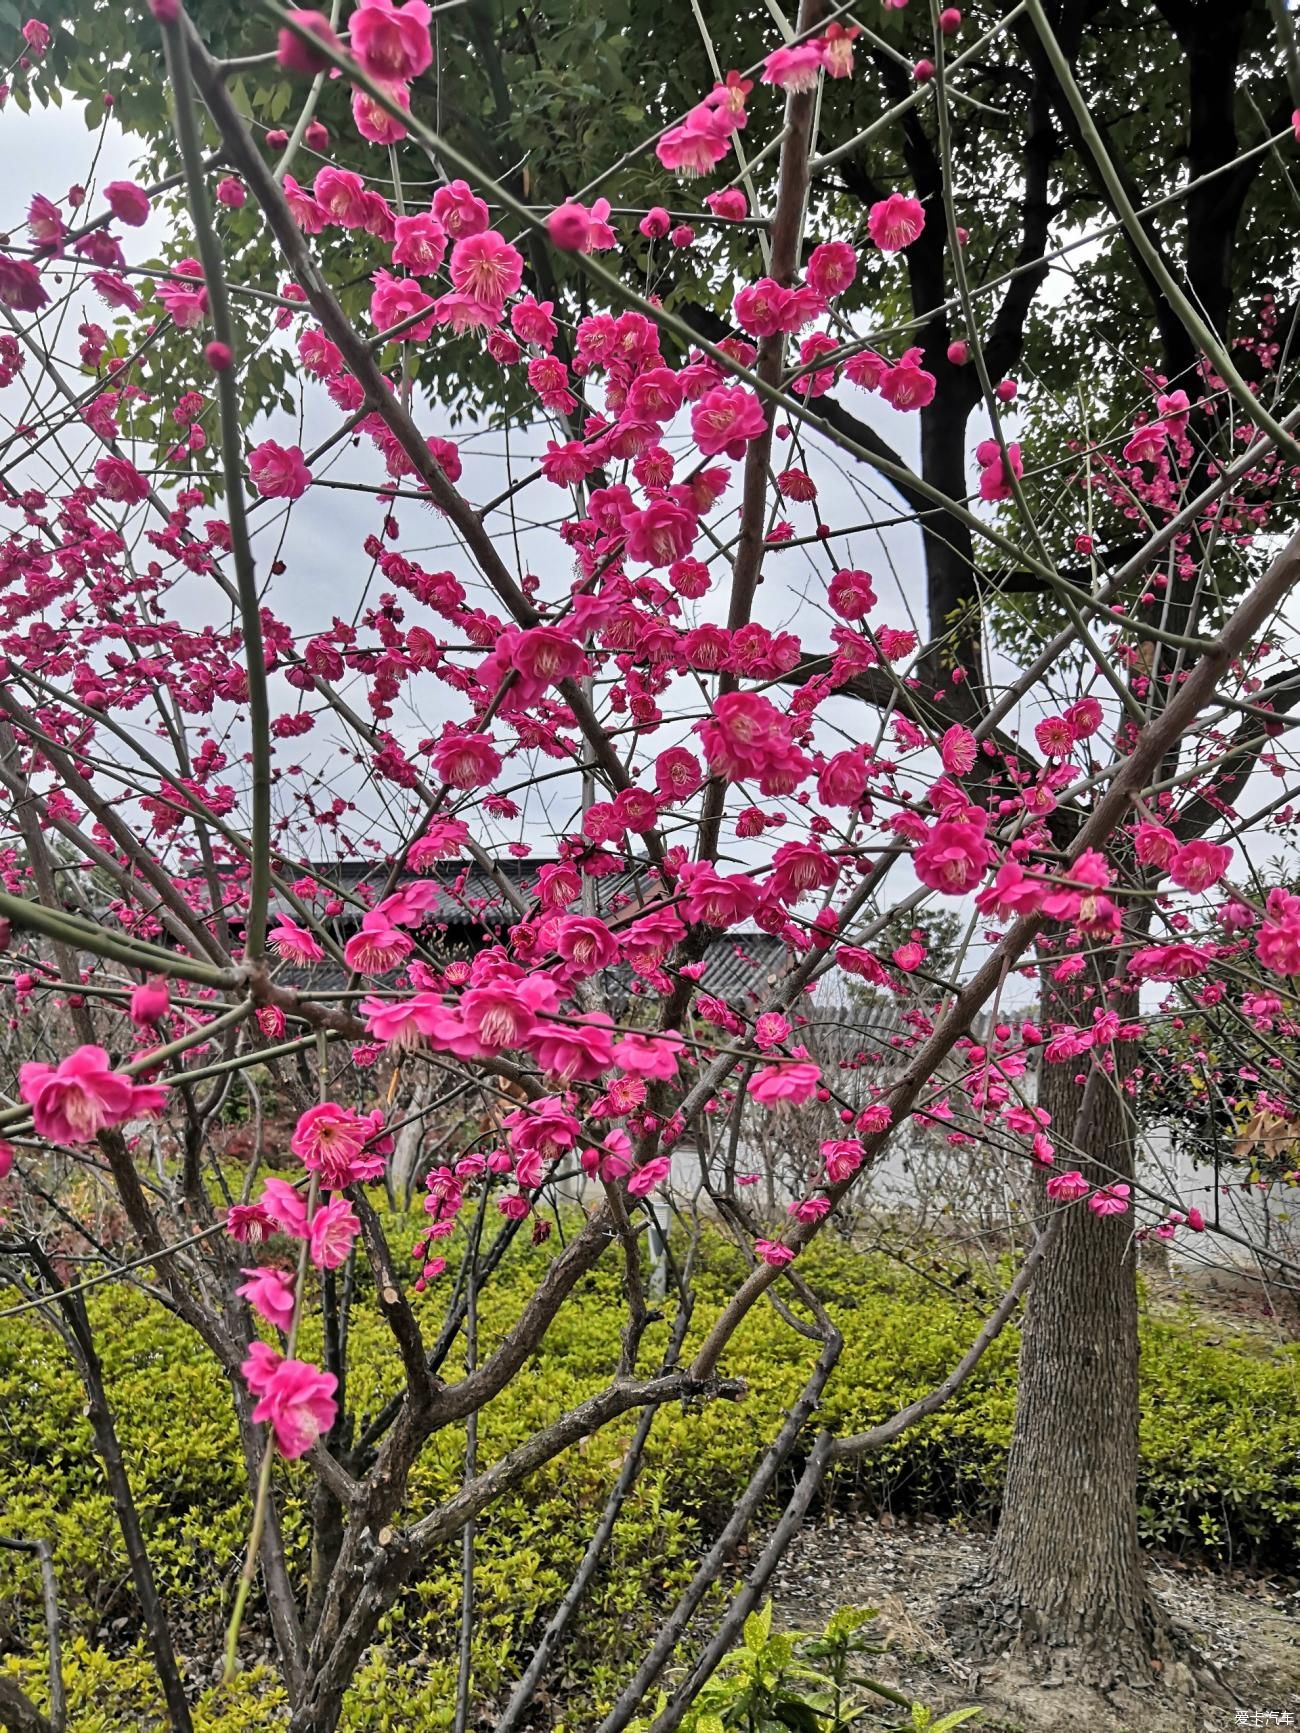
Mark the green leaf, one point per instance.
(758, 1627)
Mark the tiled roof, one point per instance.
(473, 906)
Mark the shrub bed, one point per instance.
(1220, 1475)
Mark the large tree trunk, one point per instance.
(1066, 1569)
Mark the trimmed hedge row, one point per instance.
(1220, 1475)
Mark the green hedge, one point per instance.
(1220, 1474)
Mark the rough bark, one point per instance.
(1066, 1568)
(18, 1714)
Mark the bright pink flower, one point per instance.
(377, 947)
(397, 299)
(331, 1234)
(726, 419)
(1055, 737)
(843, 1158)
(843, 779)
(585, 943)
(957, 750)
(794, 68)
(907, 385)
(277, 471)
(420, 243)
(745, 734)
(569, 227)
(391, 40)
(730, 204)
(247, 1223)
(1084, 717)
(558, 884)
(186, 307)
(794, 1083)
(486, 268)
(773, 1253)
(1277, 944)
(1111, 1200)
(36, 34)
(283, 1206)
(128, 202)
(372, 120)
(1169, 962)
(20, 285)
(677, 774)
(288, 939)
(866, 369)
(832, 266)
(331, 1141)
(466, 760)
(1067, 1187)
(260, 1366)
(1195, 1220)
(800, 867)
(1012, 892)
(851, 595)
(693, 149)
(1154, 845)
(1198, 865)
(503, 1013)
(270, 1293)
(994, 483)
(652, 1174)
(654, 1056)
(120, 481)
(81, 1096)
(837, 49)
(761, 308)
(45, 223)
(895, 222)
(953, 858)
(460, 210)
(297, 1399)
(342, 196)
(575, 1052)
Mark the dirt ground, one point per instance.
(1248, 1627)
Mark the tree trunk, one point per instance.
(1066, 1569)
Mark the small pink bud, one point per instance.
(165, 11)
(150, 1003)
(950, 21)
(317, 136)
(218, 356)
(276, 139)
(958, 353)
(923, 71)
(682, 235)
(1005, 390)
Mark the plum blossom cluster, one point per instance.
(582, 672)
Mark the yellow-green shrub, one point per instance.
(1219, 1473)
